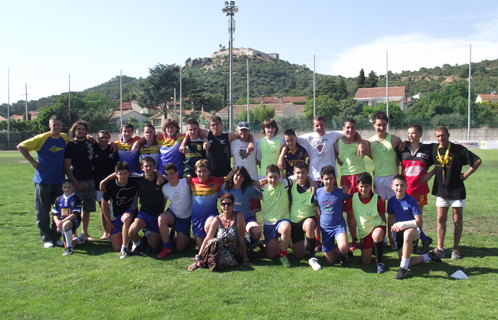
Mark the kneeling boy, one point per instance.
(404, 208)
(333, 226)
(367, 211)
(66, 213)
(118, 208)
(302, 215)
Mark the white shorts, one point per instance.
(382, 187)
(444, 203)
(98, 195)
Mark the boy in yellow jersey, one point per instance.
(269, 146)
(367, 211)
(383, 147)
(352, 164)
(302, 215)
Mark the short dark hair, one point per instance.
(72, 131)
(192, 121)
(269, 122)
(300, 164)
(442, 129)
(327, 170)
(399, 177)
(202, 163)
(148, 159)
(416, 126)
(170, 166)
(364, 178)
(272, 168)
(103, 132)
(350, 120)
(214, 118)
(319, 118)
(148, 125)
(290, 132)
(54, 118)
(69, 181)
(127, 125)
(121, 165)
(380, 115)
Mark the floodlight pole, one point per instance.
(69, 102)
(8, 108)
(314, 89)
(470, 80)
(230, 9)
(248, 91)
(387, 90)
(121, 96)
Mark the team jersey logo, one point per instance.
(243, 154)
(199, 147)
(55, 149)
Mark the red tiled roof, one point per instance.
(239, 107)
(16, 117)
(277, 99)
(488, 97)
(126, 106)
(364, 93)
(2, 118)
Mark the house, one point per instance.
(277, 99)
(18, 117)
(127, 114)
(374, 96)
(33, 114)
(281, 109)
(2, 119)
(493, 97)
(418, 96)
(157, 119)
(133, 105)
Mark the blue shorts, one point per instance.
(271, 230)
(250, 219)
(118, 224)
(182, 225)
(75, 226)
(329, 235)
(198, 225)
(150, 221)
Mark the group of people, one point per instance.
(133, 178)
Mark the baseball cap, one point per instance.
(243, 125)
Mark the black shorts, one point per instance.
(400, 237)
(297, 232)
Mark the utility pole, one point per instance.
(121, 96)
(26, 103)
(387, 90)
(470, 80)
(248, 91)
(69, 101)
(314, 89)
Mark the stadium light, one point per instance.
(230, 10)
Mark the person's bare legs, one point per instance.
(458, 221)
(442, 216)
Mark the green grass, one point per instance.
(93, 283)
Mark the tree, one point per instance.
(371, 81)
(157, 89)
(360, 81)
(325, 106)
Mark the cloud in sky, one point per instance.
(411, 51)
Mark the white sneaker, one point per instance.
(59, 243)
(47, 245)
(314, 264)
(134, 247)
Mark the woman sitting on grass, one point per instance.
(226, 249)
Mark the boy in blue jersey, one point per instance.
(66, 213)
(404, 208)
(333, 226)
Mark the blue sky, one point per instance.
(45, 41)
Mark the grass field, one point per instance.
(94, 284)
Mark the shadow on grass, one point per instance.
(477, 252)
(94, 248)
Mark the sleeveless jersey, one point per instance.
(270, 152)
(302, 207)
(366, 215)
(276, 203)
(352, 163)
(219, 154)
(384, 156)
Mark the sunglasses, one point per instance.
(226, 204)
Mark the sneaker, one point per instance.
(314, 264)
(350, 254)
(47, 245)
(123, 254)
(318, 246)
(354, 245)
(135, 247)
(402, 273)
(381, 268)
(455, 254)
(260, 244)
(434, 256)
(285, 261)
(82, 238)
(149, 251)
(164, 253)
(59, 243)
(426, 244)
(68, 251)
(439, 253)
(344, 263)
(415, 250)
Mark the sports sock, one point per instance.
(423, 237)
(310, 247)
(378, 251)
(440, 249)
(167, 244)
(404, 263)
(136, 243)
(68, 235)
(283, 253)
(250, 241)
(426, 257)
(344, 257)
(124, 247)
